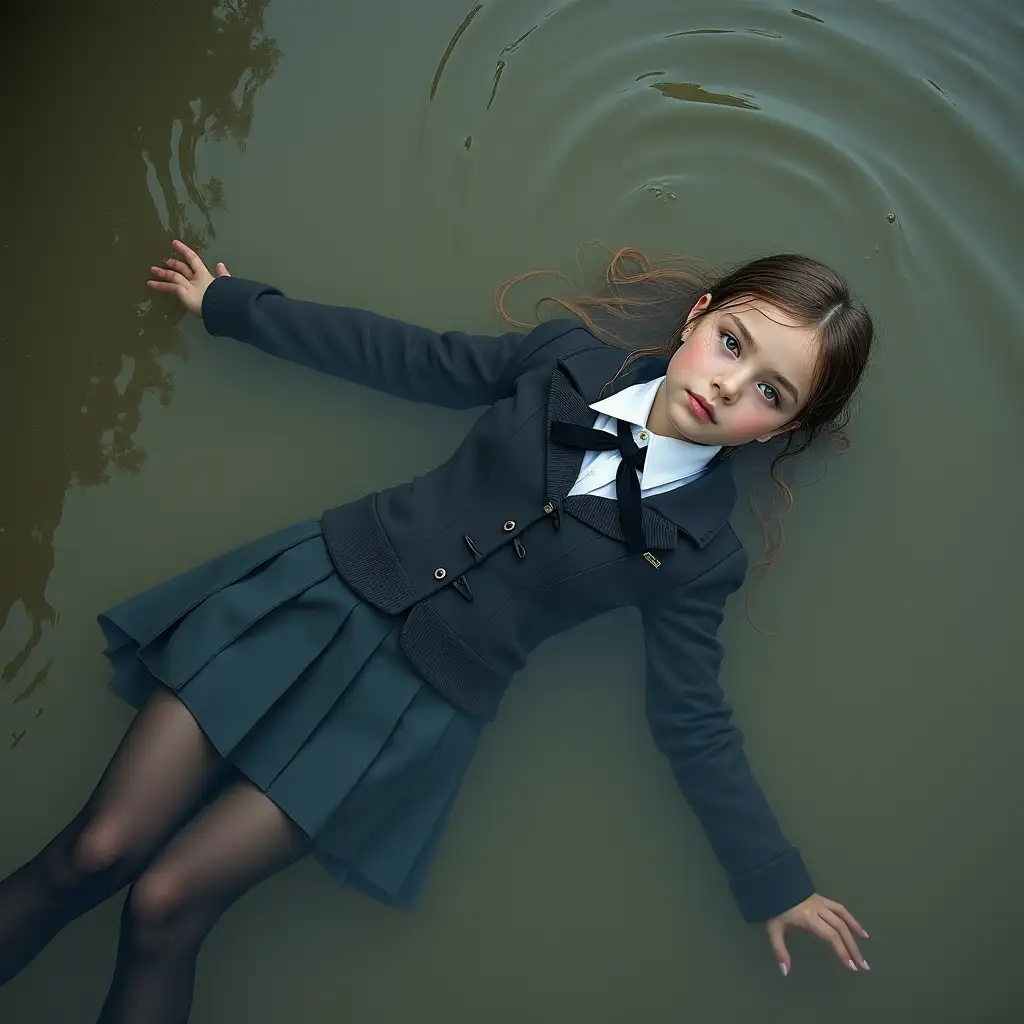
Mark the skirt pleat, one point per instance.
(305, 689)
(142, 617)
(276, 739)
(424, 807)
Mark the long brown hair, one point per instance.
(657, 296)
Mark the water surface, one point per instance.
(407, 157)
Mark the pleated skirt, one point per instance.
(304, 688)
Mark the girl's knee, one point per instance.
(101, 847)
(165, 914)
(157, 898)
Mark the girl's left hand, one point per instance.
(187, 278)
(825, 918)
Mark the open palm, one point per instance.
(187, 277)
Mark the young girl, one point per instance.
(322, 690)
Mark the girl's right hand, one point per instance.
(187, 278)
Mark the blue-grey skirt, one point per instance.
(304, 688)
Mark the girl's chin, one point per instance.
(685, 429)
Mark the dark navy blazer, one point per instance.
(487, 555)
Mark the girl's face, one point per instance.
(741, 374)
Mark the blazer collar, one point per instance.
(700, 508)
(592, 370)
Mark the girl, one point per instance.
(321, 691)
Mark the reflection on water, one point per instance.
(451, 47)
(763, 32)
(143, 87)
(515, 45)
(499, 68)
(809, 17)
(696, 94)
(883, 713)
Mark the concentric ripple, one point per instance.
(732, 127)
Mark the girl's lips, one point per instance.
(700, 408)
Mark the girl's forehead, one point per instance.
(764, 310)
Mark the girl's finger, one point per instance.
(827, 933)
(170, 275)
(193, 260)
(839, 909)
(222, 270)
(776, 936)
(182, 268)
(163, 286)
(846, 935)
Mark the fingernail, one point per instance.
(864, 964)
(866, 936)
(784, 969)
(853, 966)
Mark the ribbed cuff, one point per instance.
(225, 305)
(774, 889)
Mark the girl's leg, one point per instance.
(240, 839)
(162, 771)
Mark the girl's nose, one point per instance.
(728, 388)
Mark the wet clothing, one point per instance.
(348, 666)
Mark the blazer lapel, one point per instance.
(578, 380)
(700, 508)
(703, 506)
(563, 462)
(603, 515)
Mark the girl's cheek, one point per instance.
(749, 422)
(689, 359)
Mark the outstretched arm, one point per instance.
(691, 723)
(451, 369)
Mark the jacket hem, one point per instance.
(364, 557)
(451, 667)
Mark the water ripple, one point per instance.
(843, 128)
(457, 35)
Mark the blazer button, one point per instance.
(509, 526)
(439, 573)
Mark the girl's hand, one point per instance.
(187, 278)
(825, 918)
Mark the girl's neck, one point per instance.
(658, 421)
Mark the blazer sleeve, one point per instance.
(452, 369)
(691, 723)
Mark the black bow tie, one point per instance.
(627, 484)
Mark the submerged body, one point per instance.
(322, 690)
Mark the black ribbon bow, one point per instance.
(627, 483)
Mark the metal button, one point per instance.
(643, 435)
(549, 507)
(509, 526)
(439, 573)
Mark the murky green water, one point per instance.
(378, 156)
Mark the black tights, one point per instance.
(141, 826)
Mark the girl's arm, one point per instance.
(692, 724)
(451, 369)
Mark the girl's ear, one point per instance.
(792, 425)
(698, 307)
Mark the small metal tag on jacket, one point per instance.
(654, 561)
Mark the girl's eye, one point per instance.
(770, 393)
(731, 343)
